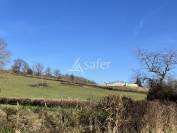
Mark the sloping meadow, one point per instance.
(111, 114)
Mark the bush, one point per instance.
(122, 115)
(111, 114)
(164, 92)
(45, 84)
(43, 102)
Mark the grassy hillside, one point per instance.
(20, 86)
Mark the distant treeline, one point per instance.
(20, 66)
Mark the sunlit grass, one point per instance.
(19, 86)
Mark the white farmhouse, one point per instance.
(121, 83)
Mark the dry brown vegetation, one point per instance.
(44, 102)
(125, 89)
(110, 115)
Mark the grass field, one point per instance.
(19, 86)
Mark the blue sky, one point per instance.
(57, 32)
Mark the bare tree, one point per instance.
(72, 77)
(48, 72)
(25, 68)
(4, 54)
(20, 66)
(29, 71)
(16, 66)
(57, 73)
(38, 69)
(158, 64)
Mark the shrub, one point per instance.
(111, 114)
(43, 102)
(164, 91)
(122, 115)
(45, 84)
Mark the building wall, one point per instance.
(116, 84)
(132, 85)
(121, 84)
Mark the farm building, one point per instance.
(121, 83)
